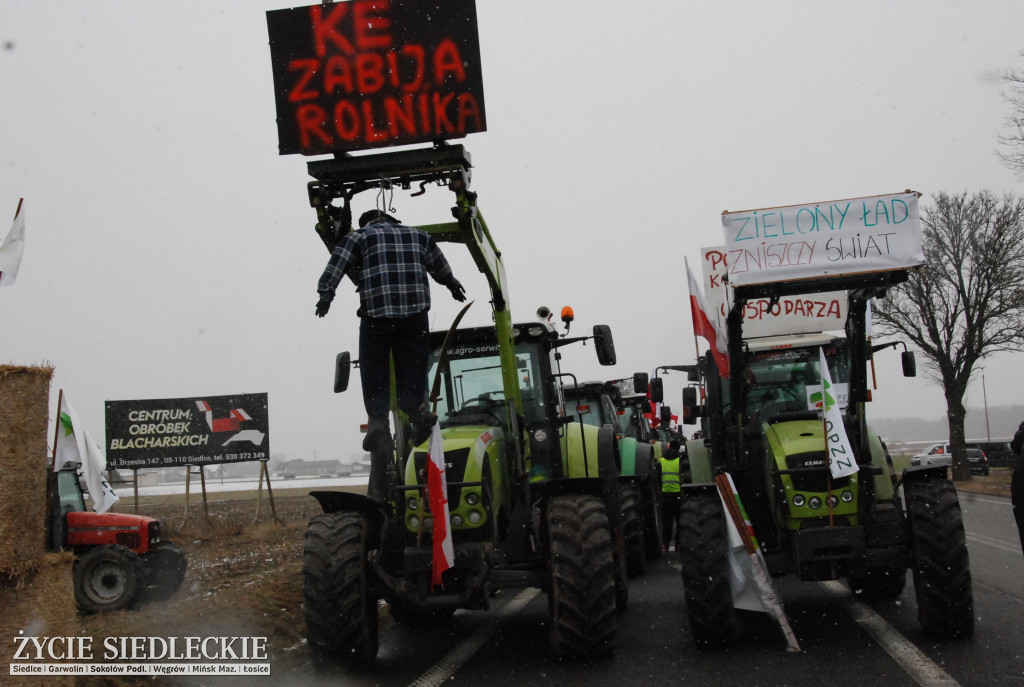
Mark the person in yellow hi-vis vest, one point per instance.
(670, 495)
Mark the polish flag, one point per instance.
(706, 327)
(437, 486)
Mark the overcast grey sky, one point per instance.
(170, 251)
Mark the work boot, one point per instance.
(377, 434)
(380, 460)
(423, 422)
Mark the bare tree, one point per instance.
(967, 301)
(1012, 138)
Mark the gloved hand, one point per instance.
(322, 306)
(458, 293)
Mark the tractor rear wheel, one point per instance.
(340, 602)
(165, 566)
(942, 570)
(652, 517)
(633, 529)
(108, 578)
(581, 599)
(704, 553)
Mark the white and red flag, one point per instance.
(437, 486)
(705, 326)
(12, 248)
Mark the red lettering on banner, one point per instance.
(369, 72)
(337, 72)
(833, 309)
(308, 69)
(447, 59)
(310, 119)
(346, 120)
(325, 29)
(400, 116)
(372, 134)
(419, 57)
(716, 257)
(372, 26)
(468, 108)
(441, 120)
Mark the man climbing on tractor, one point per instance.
(389, 262)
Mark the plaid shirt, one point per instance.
(389, 263)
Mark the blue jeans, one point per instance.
(407, 339)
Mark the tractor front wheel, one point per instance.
(108, 578)
(942, 570)
(341, 606)
(633, 529)
(165, 566)
(581, 599)
(704, 553)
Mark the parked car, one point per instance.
(978, 460)
(940, 455)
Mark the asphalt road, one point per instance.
(843, 641)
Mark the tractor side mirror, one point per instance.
(692, 373)
(640, 382)
(657, 390)
(342, 370)
(604, 344)
(690, 409)
(689, 397)
(909, 364)
(666, 416)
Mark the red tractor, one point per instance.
(121, 559)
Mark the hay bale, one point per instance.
(42, 606)
(24, 464)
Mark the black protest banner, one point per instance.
(374, 73)
(170, 432)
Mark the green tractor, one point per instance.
(532, 494)
(763, 428)
(601, 404)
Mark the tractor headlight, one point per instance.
(413, 503)
(414, 522)
(475, 517)
(456, 521)
(847, 496)
(814, 502)
(833, 501)
(428, 523)
(472, 498)
(799, 500)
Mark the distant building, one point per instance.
(313, 468)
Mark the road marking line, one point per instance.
(913, 661)
(993, 542)
(464, 650)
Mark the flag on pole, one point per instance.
(437, 485)
(704, 326)
(749, 581)
(12, 248)
(841, 460)
(75, 445)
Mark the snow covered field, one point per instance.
(228, 485)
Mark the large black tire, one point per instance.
(942, 570)
(633, 529)
(108, 578)
(340, 601)
(651, 491)
(704, 553)
(581, 599)
(165, 567)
